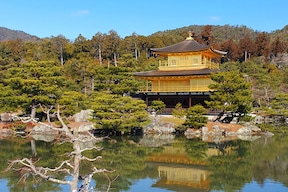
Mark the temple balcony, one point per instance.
(166, 66)
(167, 89)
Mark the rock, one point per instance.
(6, 117)
(86, 127)
(43, 129)
(248, 129)
(205, 130)
(216, 128)
(252, 127)
(42, 132)
(43, 137)
(231, 133)
(243, 131)
(87, 144)
(267, 134)
(6, 132)
(157, 127)
(192, 132)
(83, 116)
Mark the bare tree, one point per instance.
(70, 166)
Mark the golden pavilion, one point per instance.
(183, 75)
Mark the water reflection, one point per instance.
(166, 162)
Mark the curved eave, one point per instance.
(215, 53)
(188, 45)
(157, 73)
(175, 52)
(222, 53)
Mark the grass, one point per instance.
(171, 119)
(274, 128)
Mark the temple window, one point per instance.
(173, 62)
(204, 60)
(195, 61)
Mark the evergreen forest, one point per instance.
(97, 73)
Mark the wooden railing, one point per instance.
(163, 64)
(174, 89)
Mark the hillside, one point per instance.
(9, 34)
(223, 32)
(220, 32)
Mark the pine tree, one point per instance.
(195, 117)
(231, 92)
(34, 83)
(118, 113)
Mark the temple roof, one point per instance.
(188, 45)
(157, 73)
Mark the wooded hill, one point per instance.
(9, 34)
(236, 40)
(224, 32)
(221, 33)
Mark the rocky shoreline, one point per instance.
(212, 131)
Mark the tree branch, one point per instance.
(47, 112)
(110, 181)
(40, 171)
(89, 159)
(91, 148)
(70, 166)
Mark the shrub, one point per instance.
(195, 117)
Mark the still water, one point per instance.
(160, 163)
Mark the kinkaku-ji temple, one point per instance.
(183, 75)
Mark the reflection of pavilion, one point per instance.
(190, 177)
(177, 170)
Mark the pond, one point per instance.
(159, 163)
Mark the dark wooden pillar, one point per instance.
(190, 101)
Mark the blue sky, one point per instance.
(46, 18)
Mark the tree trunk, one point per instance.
(136, 52)
(92, 83)
(77, 160)
(267, 99)
(61, 56)
(245, 56)
(33, 148)
(115, 59)
(33, 111)
(100, 55)
(84, 82)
